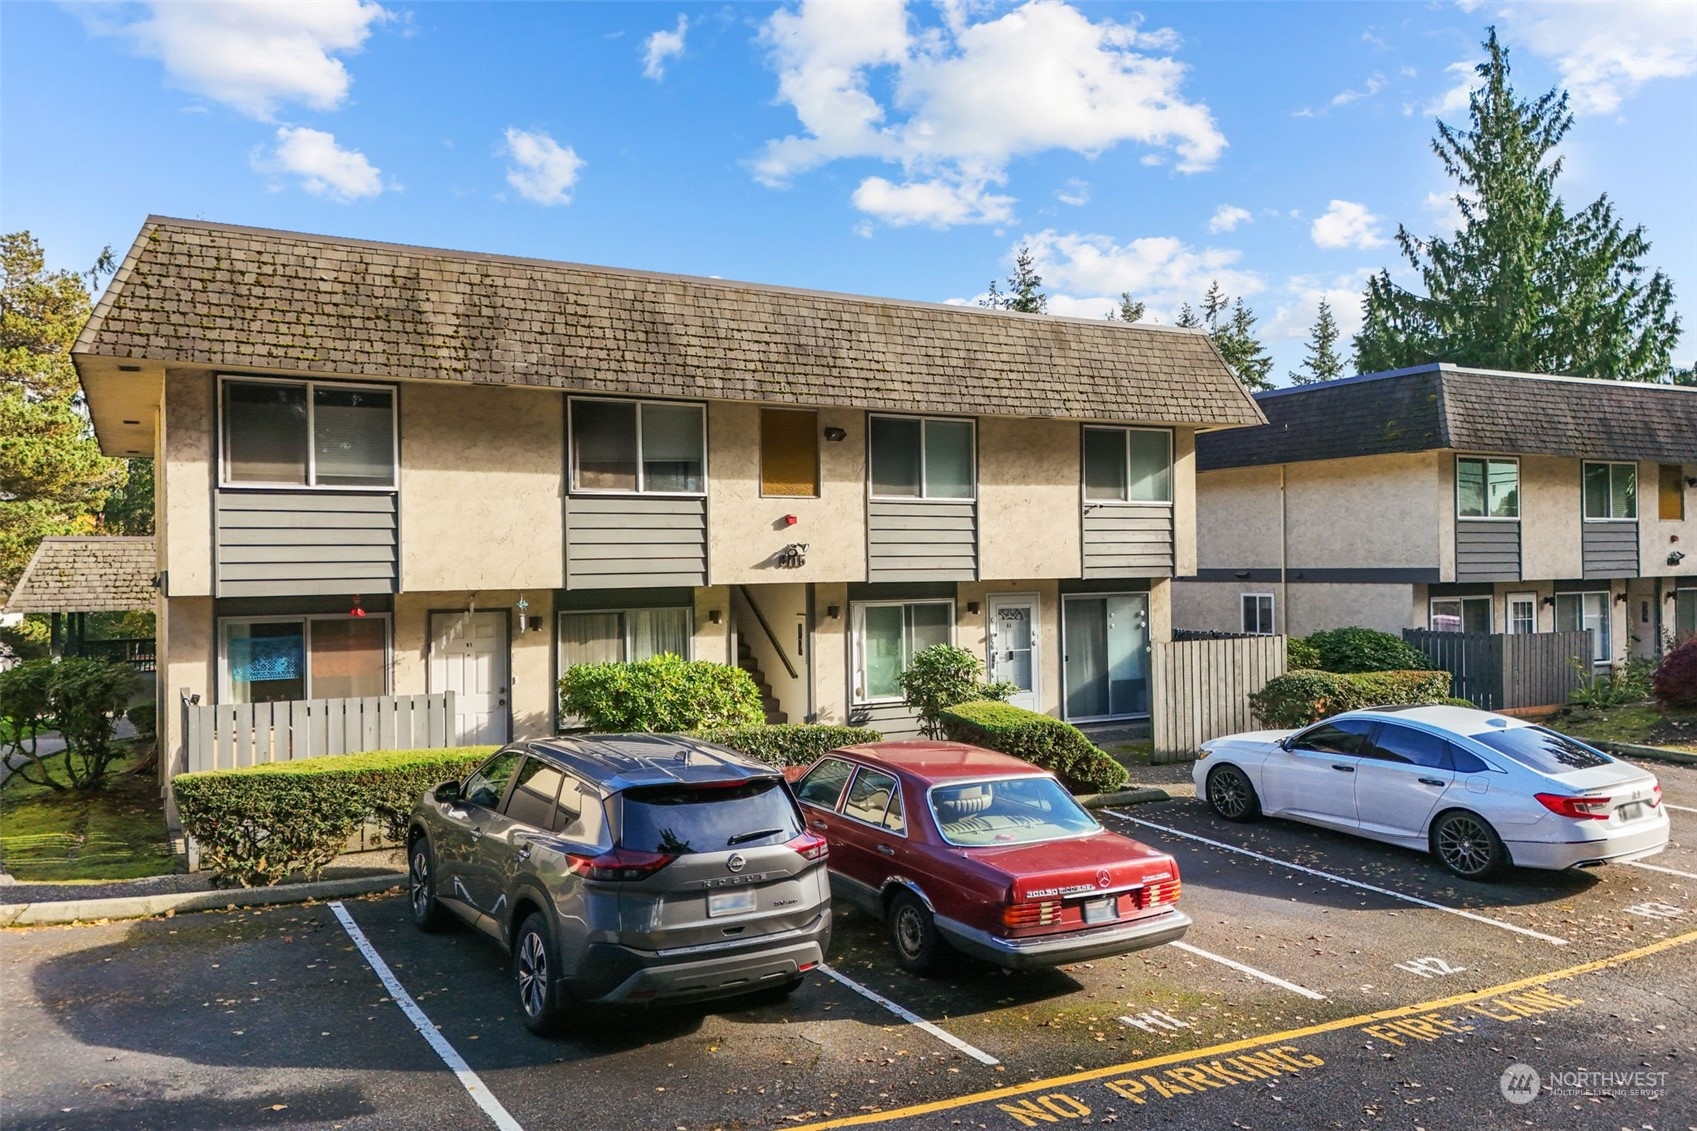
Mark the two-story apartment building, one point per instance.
(393, 470)
(1450, 498)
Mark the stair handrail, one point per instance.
(760, 618)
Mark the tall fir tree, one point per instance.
(1129, 310)
(1321, 362)
(1230, 325)
(1025, 288)
(1523, 284)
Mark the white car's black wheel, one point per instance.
(427, 912)
(1468, 846)
(1231, 795)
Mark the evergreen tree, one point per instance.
(1025, 288)
(1230, 325)
(1523, 284)
(1129, 310)
(1187, 318)
(1322, 362)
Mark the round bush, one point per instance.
(1357, 649)
(1675, 682)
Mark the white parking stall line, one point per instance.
(909, 1016)
(474, 1087)
(1660, 868)
(1486, 919)
(1681, 808)
(1250, 970)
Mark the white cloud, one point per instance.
(1227, 217)
(1085, 273)
(542, 170)
(1444, 211)
(661, 46)
(1606, 52)
(1075, 192)
(1346, 224)
(252, 55)
(1375, 83)
(939, 203)
(324, 168)
(1454, 98)
(965, 99)
(1299, 304)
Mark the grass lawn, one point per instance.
(117, 833)
(1642, 725)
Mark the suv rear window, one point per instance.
(1543, 750)
(676, 819)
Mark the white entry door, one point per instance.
(1012, 647)
(468, 656)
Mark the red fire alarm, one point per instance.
(790, 520)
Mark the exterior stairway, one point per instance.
(768, 701)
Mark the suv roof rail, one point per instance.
(621, 760)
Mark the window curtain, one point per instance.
(353, 437)
(1104, 464)
(657, 631)
(948, 459)
(881, 651)
(1151, 467)
(1086, 657)
(267, 661)
(893, 446)
(265, 433)
(590, 638)
(604, 445)
(347, 657)
(672, 457)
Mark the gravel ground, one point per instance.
(351, 866)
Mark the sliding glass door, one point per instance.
(1106, 661)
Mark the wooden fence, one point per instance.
(1501, 671)
(227, 736)
(1201, 688)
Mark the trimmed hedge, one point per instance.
(664, 694)
(1043, 741)
(257, 825)
(787, 744)
(1301, 697)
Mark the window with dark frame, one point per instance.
(789, 452)
(311, 434)
(282, 659)
(1131, 465)
(913, 457)
(1460, 614)
(1610, 491)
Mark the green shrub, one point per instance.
(787, 744)
(257, 825)
(664, 694)
(80, 698)
(1626, 684)
(941, 676)
(1675, 681)
(145, 718)
(1301, 697)
(1043, 741)
(1301, 654)
(1357, 649)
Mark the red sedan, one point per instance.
(949, 843)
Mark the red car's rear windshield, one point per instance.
(1021, 810)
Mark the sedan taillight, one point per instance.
(621, 865)
(1655, 795)
(809, 846)
(1580, 808)
(1164, 892)
(1038, 913)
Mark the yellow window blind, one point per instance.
(789, 452)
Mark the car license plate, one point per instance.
(1631, 811)
(730, 902)
(1102, 910)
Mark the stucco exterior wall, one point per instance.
(1382, 512)
(187, 660)
(1237, 519)
(1550, 517)
(1659, 537)
(1298, 608)
(1184, 502)
(830, 653)
(186, 478)
(1028, 498)
(482, 482)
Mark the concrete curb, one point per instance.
(1652, 753)
(1139, 796)
(147, 906)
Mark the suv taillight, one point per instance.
(1582, 808)
(809, 846)
(621, 865)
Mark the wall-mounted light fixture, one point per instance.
(835, 612)
(1620, 598)
(835, 435)
(524, 621)
(972, 608)
(1676, 557)
(1549, 602)
(1691, 480)
(714, 616)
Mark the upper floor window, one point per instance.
(1487, 488)
(1611, 490)
(789, 452)
(1670, 492)
(646, 447)
(308, 434)
(915, 457)
(1132, 465)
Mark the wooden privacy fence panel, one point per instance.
(1201, 689)
(1500, 671)
(228, 736)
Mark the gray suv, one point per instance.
(625, 868)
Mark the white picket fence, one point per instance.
(228, 736)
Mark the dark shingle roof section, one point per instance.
(241, 298)
(1445, 407)
(87, 575)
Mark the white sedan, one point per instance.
(1480, 791)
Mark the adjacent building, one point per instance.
(387, 470)
(1444, 497)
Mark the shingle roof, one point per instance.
(242, 298)
(1442, 406)
(87, 575)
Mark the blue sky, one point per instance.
(866, 147)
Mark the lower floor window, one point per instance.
(276, 659)
(1576, 612)
(1684, 614)
(622, 635)
(887, 634)
(1258, 614)
(1461, 614)
(1522, 613)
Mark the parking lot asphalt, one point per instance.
(1327, 982)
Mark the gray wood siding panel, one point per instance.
(1610, 549)
(305, 543)
(616, 542)
(1128, 540)
(921, 541)
(1487, 551)
(895, 721)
